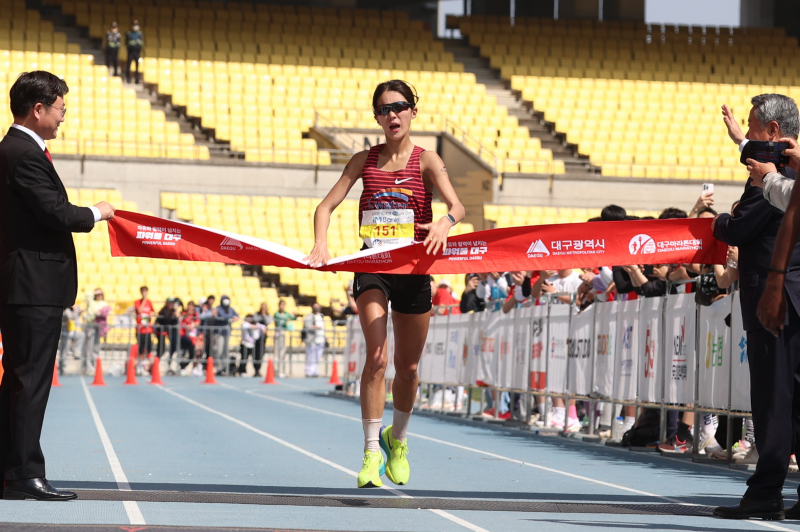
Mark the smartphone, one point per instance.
(708, 188)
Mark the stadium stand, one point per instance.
(210, 60)
(289, 221)
(521, 215)
(644, 103)
(104, 118)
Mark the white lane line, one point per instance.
(135, 516)
(497, 456)
(441, 513)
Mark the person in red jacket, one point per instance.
(144, 319)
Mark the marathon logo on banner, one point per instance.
(545, 247)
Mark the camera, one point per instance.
(766, 152)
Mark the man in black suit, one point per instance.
(773, 360)
(38, 277)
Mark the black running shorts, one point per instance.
(409, 294)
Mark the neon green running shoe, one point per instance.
(371, 471)
(397, 468)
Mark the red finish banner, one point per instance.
(543, 247)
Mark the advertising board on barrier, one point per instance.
(649, 339)
(557, 336)
(605, 333)
(619, 351)
(740, 365)
(627, 352)
(579, 351)
(714, 352)
(679, 339)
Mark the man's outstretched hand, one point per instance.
(734, 131)
(106, 210)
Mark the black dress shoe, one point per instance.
(771, 510)
(793, 512)
(37, 489)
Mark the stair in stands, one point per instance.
(216, 149)
(66, 24)
(496, 86)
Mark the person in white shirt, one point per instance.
(314, 337)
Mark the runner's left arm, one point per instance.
(435, 172)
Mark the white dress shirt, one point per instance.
(40, 141)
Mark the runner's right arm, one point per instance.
(319, 255)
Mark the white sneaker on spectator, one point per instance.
(793, 465)
(573, 425)
(709, 446)
(739, 449)
(751, 458)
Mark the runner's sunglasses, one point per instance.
(397, 107)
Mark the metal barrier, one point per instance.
(664, 352)
(181, 347)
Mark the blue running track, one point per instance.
(245, 455)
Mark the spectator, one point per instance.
(134, 42)
(470, 302)
(167, 328)
(144, 318)
(71, 336)
(208, 317)
(113, 39)
(492, 288)
(97, 311)
(252, 335)
(564, 281)
(261, 317)
(282, 322)
(314, 338)
(443, 298)
(189, 331)
(516, 295)
(226, 316)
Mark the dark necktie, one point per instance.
(47, 152)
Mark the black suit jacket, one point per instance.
(754, 227)
(37, 255)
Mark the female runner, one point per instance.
(395, 208)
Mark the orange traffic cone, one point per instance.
(335, 375)
(98, 374)
(55, 383)
(211, 377)
(130, 378)
(134, 352)
(155, 372)
(270, 377)
(1, 368)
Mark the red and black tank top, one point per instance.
(392, 202)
